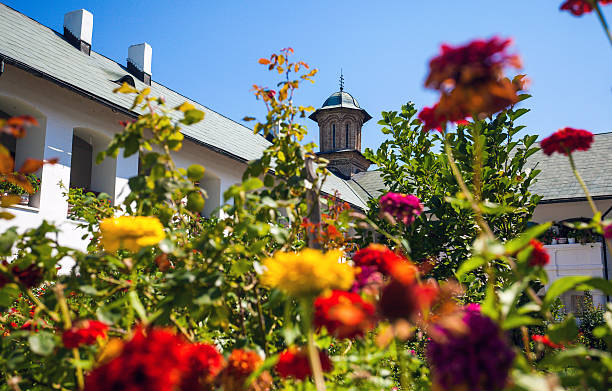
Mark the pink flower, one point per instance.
(404, 207)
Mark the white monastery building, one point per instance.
(67, 86)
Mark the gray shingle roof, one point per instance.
(45, 50)
(368, 184)
(557, 182)
(30, 45)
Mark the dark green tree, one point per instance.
(412, 161)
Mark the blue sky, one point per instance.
(208, 51)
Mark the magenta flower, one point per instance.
(608, 231)
(478, 359)
(403, 207)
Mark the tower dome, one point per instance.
(340, 120)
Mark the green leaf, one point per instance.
(42, 343)
(252, 184)
(565, 331)
(515, 320)
(469, 265)
(508, 296)
(534, 382)
(137, 305)
(522, 241)
(8, 294)
(192, 116)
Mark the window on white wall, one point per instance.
(212, 187)
(32, 144)
(84, 172)
(82, 159)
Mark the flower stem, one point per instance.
(602, 19)
(313, 353)
(315, 362)
(582, 184)
(63, 305)
(466, 192)
(399, 356)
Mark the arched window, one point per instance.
(333, 136)
(346, 136)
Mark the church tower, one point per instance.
(340, 120)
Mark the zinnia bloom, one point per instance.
(403, 207)
(378, 256)
(344, 314)
(156, 360)
(240, 365)
(433, 120)
(470, 79)
(580, 7)
(479, 60)
(539, 256)
(543, 339)
(203, 362)
(130, 232)
(293, 363)
(30, 276)
(566, 141)
(607, 231)
(307, 273)
(151, 362)
(477, 359)
(85, 332)
(407, 300)
(368, 280)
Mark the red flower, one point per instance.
(539, 256)
(86, 332)
(470, 79)
(475, 62)
(344, 314)
(378, 256)
(546, 341)
(407, 301)
(154, 361)
(204, 363)
(241, 363)
(30, 277)
(293, 362)
(566, 141)
(577, 7)
(433, 120)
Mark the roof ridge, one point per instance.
(123, 66)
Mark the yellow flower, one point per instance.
(130, 232)
(307, 273)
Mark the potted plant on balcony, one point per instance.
(548, 237)
(9, 188)
(584, 236)
(571, 236)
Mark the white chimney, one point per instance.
(78, 29)
(139, 61)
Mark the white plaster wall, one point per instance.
(575, 260)
(569, 210)
(63, 111)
